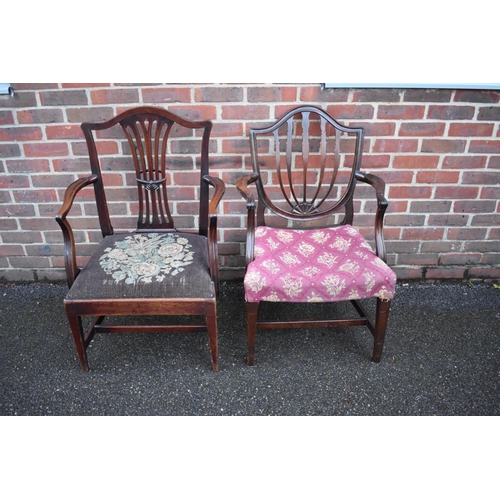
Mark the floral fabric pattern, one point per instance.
(146, 258)
(333, 264)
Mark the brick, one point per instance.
(22, 237)
(474, 206)
(484, 273)
(29, 262)
(427, 95)
(485, 146)
(370, 161)
(375, 129)
(410, 192)
(20, 100)
(83, 85)
(114, 96)
(400, 112)
(490, 113)
(220, 94)
(166, 95)
(460, 259)
(14, 182)
(486, 220)
(46, 149)
(408, 273)
(16, 210)
(447, 220)
(494, 162)
(94, 114)
(470, 129)
(456, 192)
(250, 112)
(490, 193)
(227, 129)
(422, 259)
(484, 96)
(17, 275)
(264, 94)
(395, 146)
(377, 95)
(71, 165)
(481, 177)
(315, 94)
(440, 246)
(48, 181)
(466, 233)
(416, 162)
(64, 132)
(9, 250)
(6, 118)
(40, 116)
(103, 148)
(443, 146)
(482, 246)
(9, 224)
(404, 220)
(351, 111)
(424, 233)
(35, 196)
(195, 112)
(445, 273)
(450, 112)
(64, 97)
(464, 162)
(20, 134)
(437, 177)
(492, 259)
(421, 129)
(430, 206)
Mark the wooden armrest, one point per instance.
(379, 185)
(69, 240)
(220, 189)
(242, 185)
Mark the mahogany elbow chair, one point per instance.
(301, 245)
(156, 270)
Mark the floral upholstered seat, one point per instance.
(315, 265)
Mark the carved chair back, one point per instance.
(306, 165)
(157, 143)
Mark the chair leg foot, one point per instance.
(212, 339)
(75, 323)
(252, 315)
(382, 316)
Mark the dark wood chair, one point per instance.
(301, 245)
(156, 270)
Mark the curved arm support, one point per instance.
(69, 241)
(213, 253)
(379, 185)
(242, 185)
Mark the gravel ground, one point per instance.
(441, 357)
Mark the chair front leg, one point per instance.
(211, 318)
(75, 323)
(381, 318)
(252, 316)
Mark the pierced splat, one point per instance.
(312, 159)
(148, 139)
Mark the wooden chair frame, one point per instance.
(147, 130)
(304, 211)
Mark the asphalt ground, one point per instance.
(441, 357)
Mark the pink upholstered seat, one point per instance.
(316, 265)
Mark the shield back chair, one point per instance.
(155, 269)
(301, 245)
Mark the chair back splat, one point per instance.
(301, 243)
(156, 268)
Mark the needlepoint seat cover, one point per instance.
(315, 265)
(146, 265)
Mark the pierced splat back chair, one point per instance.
(156, 270)
(301, 245)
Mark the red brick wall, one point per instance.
(438, 151)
